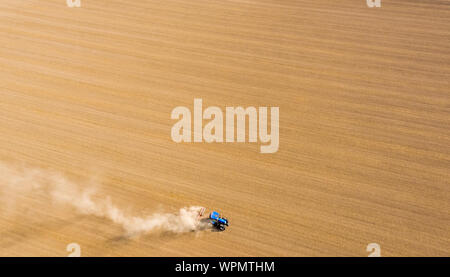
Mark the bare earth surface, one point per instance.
(364, 123)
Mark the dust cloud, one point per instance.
(24, 189)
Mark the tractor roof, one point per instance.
(214, 215)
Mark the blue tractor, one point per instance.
(218, 222)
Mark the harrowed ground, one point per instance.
(364, 103)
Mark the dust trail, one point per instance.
(19, 184)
